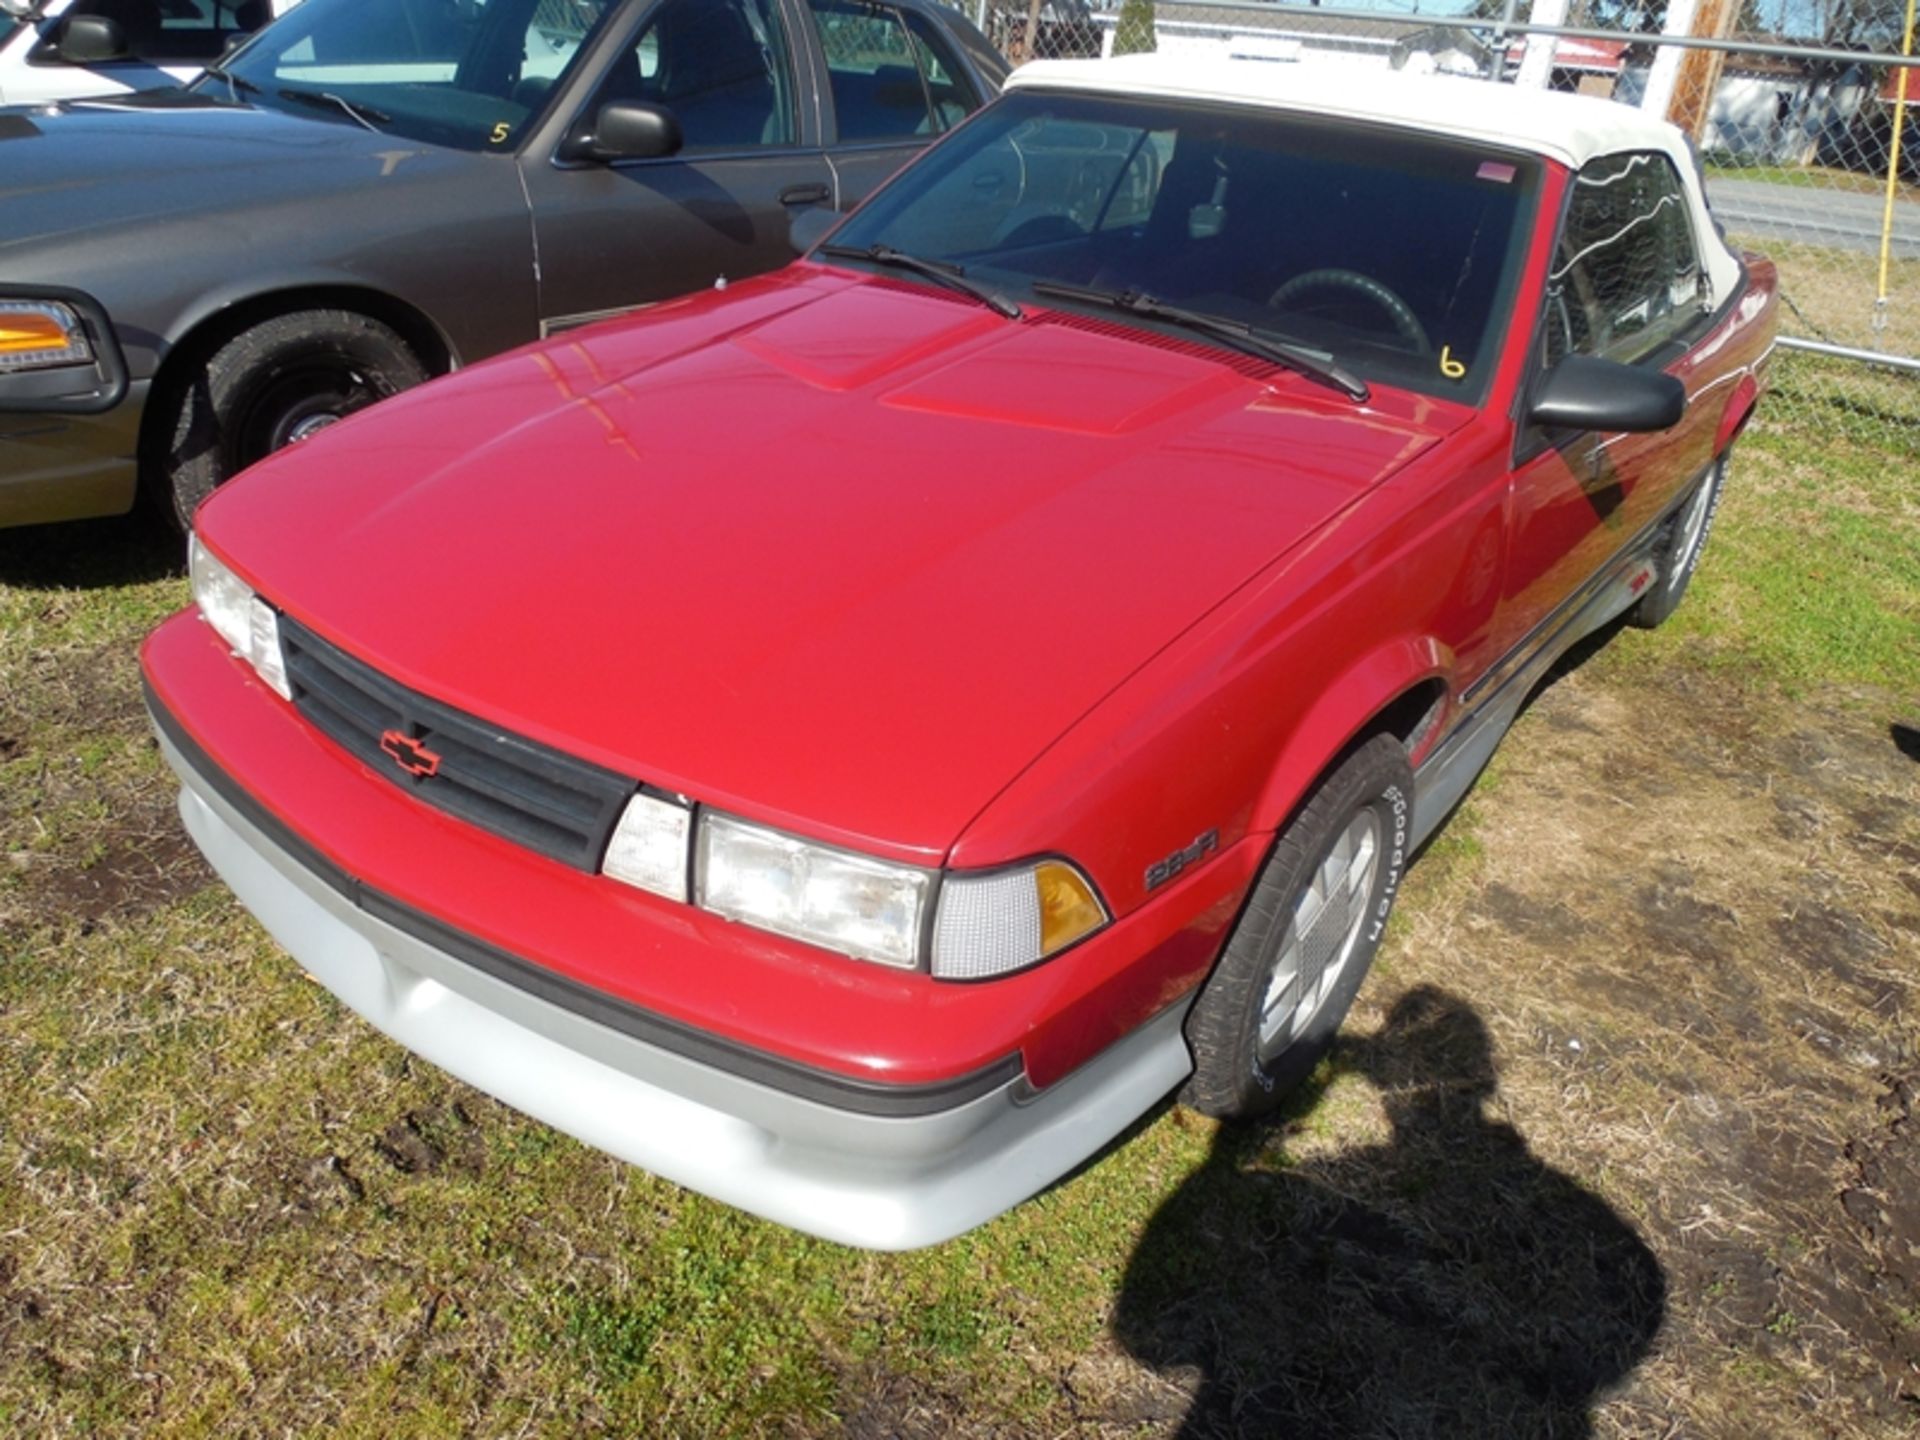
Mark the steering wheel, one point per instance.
(1405, 322)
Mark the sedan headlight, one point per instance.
(41, 335)
(956, 924)
(238, 616)
(866, 908)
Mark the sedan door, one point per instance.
(620, 234)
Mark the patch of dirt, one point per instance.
(121, 852)
(426, 1140)
(1882, 1199)
(129, 880)
(883, 1404)
(326, 1184)
(91, 692)
(1725, 914)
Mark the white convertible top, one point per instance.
(1571, 129)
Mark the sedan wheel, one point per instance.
(273, 385)
(1306, 938)
(1321, 938)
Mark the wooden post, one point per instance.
(1032, 34)
(1692, 104)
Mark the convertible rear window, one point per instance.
(1394, 251)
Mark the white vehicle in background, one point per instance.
(79, 49)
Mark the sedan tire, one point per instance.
(272, 385)
(1678, 552)
(1275, 1001)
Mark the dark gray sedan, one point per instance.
(375, 191)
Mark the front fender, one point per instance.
(299, 288)
(1345, 710)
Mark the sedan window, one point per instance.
(463, 73)
(720, 66)
(886, 84)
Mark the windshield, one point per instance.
(1392, 252)
(464, 73)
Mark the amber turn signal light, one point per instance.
(36, 335)
(1068, 908)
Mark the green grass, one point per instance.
(1811, 578)
(1807, 177)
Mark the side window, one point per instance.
(875, 66)
(1626, 277)
(953, 96)
(721, 67)
(175, 31)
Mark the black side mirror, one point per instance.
(93, 40)
(627, 130)
(1583, 392)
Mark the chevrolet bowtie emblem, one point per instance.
(409, 754)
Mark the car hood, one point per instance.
(844, 556)
(75, 167)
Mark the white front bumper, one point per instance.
(877, 1181)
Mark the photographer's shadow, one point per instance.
(1444, 1284)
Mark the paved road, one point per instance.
(1813, 216)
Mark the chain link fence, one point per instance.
(1811, 155)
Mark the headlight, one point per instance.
(238, 616)
(861, 907)
(40, 335)
(1007, 920)
(983, 925)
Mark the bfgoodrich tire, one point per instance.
(271, 385)
(1308, 934)
(1678, 552)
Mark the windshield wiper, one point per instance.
(945, 272)
(236, 85)
(361, 114)
(1244, 337)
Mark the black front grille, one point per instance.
(526, 792)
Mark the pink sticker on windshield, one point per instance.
(1494, 170)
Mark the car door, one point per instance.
(167, 44)
(620, 234)
(893, 85)
(1626, 285)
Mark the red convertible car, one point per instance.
(853, 742)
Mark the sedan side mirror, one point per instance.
(1583, 392)
(93, 40)
(627, 130)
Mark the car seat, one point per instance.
(714, 75)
